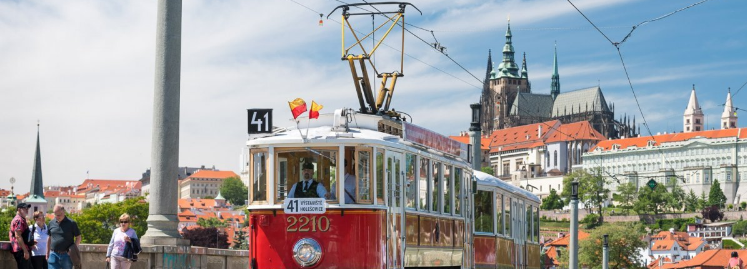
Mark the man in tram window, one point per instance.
(349, 184)
(308, 187)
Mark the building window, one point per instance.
(697, 121)
(555, 158)
(687, 121)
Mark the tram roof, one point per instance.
(486, 179)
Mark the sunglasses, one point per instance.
(123, 221)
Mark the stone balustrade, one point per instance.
(157, 257)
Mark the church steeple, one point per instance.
(524, 73)
(555, 85)
(693, 116)
(729, 116)
(508, 67)
(489, 73)
(36, 193)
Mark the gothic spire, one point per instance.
(692, 106)
(37, 186)
(729, 116)
(489, 73)
(508, 68)
(555, 85)
(524, 73)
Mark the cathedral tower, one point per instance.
(693, 117)
(729, 116)
(555, 84)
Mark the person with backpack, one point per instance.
(735, 262)
(39, 236)
(19, 234)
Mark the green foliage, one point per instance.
(730, 206)
(206, 237)
(211, 223)
(739, 228)
(552, 201)
(488, 170)
(675, 199)
(239, 240)
(624, 245)
(702, 201)
(591, 221)
(97, 223)
(6, 216)
(691, 202)
(592, 188)
(208, 197)
(234, 191)
(626, 196)
(716, 195)
(730, 244)
(651, 201)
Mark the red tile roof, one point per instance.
(213, 174)
(715, 258)
(642, 142)
(484, 142)
(566, 239)
(196, 203)
(520, 137)
(581, 130)
(104, 184)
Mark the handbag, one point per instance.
(74, 253)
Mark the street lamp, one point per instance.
(573, 246)
(605, 253)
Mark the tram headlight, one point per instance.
(307, 252)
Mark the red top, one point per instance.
(735, 262)
(18, 224)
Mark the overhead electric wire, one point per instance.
(622, 61)
(740, 88)
(406, 54)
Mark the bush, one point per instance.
(591, 221)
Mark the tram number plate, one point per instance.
(307, 224)
(305, 206)
(260, 121)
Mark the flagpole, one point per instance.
(299, 132)
(308, 121)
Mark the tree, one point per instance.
(552, 201)
(208, 197)
(239, 240)
(651, 201)
(592, 189)
(702, 201)
(626, 196)
(716, 195)
(206, 237)
(691, 202)
(6, 216)
(97, 223)
(234, 191)
(625, 245)
(712, 213)
(488, 170)
(739, 228)
(676, 197)
(211, 223)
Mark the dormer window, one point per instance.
(615, 146)
(651, 143)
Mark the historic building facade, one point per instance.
(507, 100)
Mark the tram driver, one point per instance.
(308, 187)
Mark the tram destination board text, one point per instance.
(305, 206)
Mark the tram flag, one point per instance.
(314, 112)
(297, 107)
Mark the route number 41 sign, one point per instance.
(260, 121)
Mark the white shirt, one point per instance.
(40, 235)
(320, 190)
(349, 187)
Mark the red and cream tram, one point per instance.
(369, 191)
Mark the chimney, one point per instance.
(539, 131)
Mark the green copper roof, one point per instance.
(219, 197)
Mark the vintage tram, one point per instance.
(371, 191)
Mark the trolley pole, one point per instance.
(573, 247)
(475, 132)
(605, 254)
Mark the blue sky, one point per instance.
(85, 69)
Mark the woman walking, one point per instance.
(122, 236)
(39, 250)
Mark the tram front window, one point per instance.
(306, 173)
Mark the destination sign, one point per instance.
(305, 206)
(431, 139)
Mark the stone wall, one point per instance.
(159, 257)
(560, 215)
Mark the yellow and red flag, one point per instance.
(297, 106)
(314, 112)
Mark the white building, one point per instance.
(675, 246)
(204, 183)
(694, 158)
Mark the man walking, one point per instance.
(19, 231)
(63, 233)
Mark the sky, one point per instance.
(85, 70)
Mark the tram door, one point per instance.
(395, 175)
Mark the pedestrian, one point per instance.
(63, 233)
(39, 250)
(735, 262)
(19, 234)
(122, 237)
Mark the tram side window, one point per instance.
(306, 173)
(447, 190)
(380, 176)
(457, 191)
(363, 173)
(259, 176)
(528, 221)
(499, 212)
(423, 184)
(435, 186)
(484, 211)
(508, 216)
(410, 190)
(536, 224)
